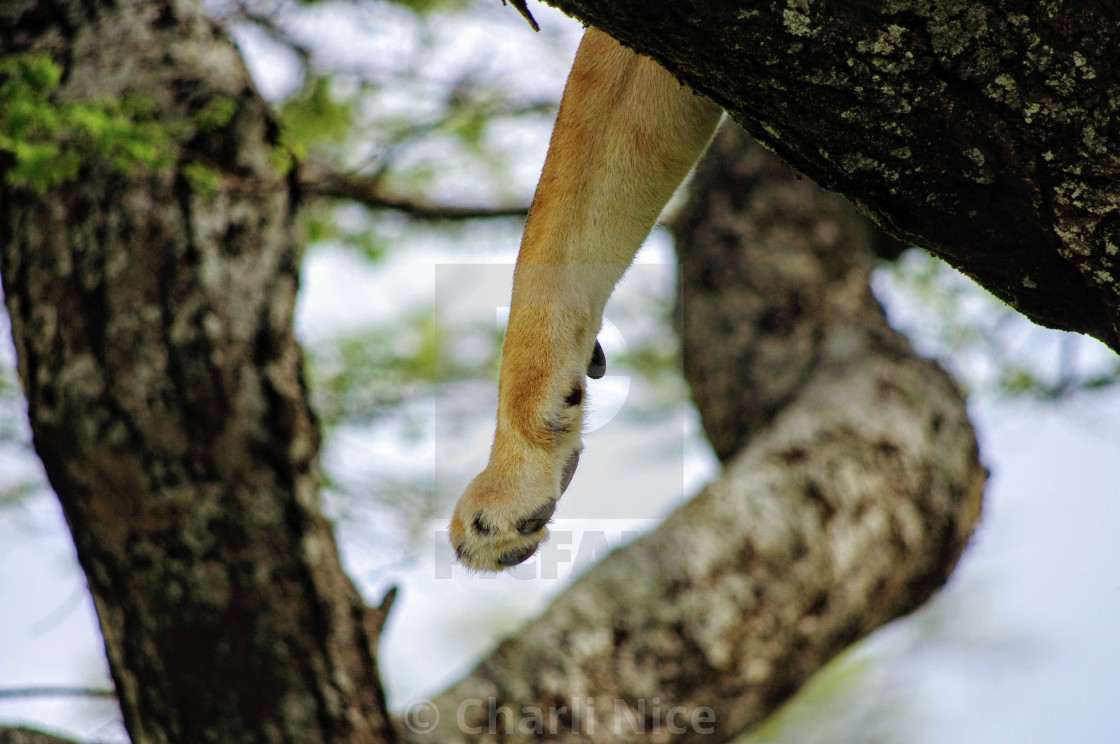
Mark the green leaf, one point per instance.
(202, 179)
(313, 116)
(217, 113)
(51, 141)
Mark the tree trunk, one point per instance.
(984, 131)
(851, 486)
(153, 326)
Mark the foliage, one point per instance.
(215, 114)
(314, 115)
(835, 707)
(988, 346)
(49, 141)
(362, 376)
(360, 234)
(203, 179)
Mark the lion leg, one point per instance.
(626, 135)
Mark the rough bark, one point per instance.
(849, 508)
(758, 253)
(21, 735)
(984, 131)
(153, 328)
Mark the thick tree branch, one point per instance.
(982, 131)
(11, 693)
(849, 504)
(22, 735)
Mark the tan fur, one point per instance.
(626, 136)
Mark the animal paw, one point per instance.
(502, 517)
(500, 521)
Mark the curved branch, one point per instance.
(23, 735)
(848, 506)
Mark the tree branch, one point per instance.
(22, 735)
(47, 691)
(982, 131)
(369, 190)
(848, 506)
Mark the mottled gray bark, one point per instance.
(21, 735)
(153, 328)
(852, 484)
(982, 130)
(759, 254)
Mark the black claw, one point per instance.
(513, 557)
(568, 471)
(536, 520)
(597, 367)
